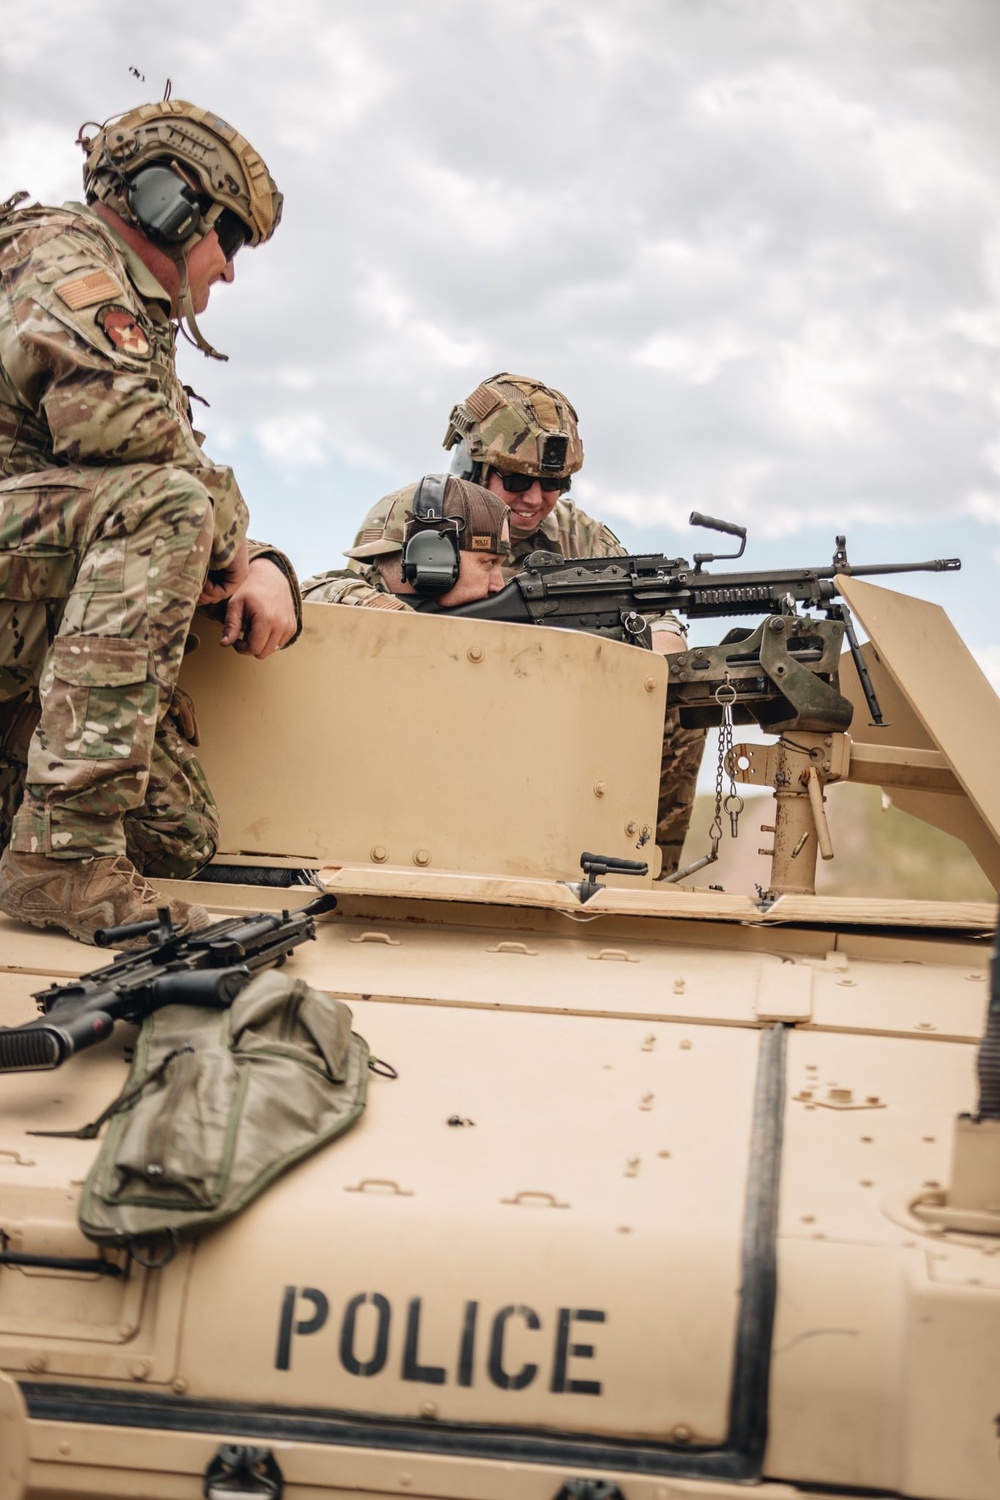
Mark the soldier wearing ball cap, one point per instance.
(520, 439)
(114, 524)
(443, 538)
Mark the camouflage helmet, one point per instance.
(221, 164)
(517, 425)
(390, 524)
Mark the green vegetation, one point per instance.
(878, 852)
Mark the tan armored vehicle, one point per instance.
(676, 1191)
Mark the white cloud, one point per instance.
(758, 247)
(985, 506)
(693, 360)
(300, 440)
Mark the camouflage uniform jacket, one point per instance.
(568, 531)
(87, 372)
(361, 584)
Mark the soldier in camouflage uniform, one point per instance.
(520, 439)
(477, 520)
(175, 833)
(113, 523)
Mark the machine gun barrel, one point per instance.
(209, 968)
(934, 565)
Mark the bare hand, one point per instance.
(260, 615)
(222, 582)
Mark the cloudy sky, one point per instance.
(757, 242)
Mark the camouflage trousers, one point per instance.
(682, 752)
(176, 831)
(100, 572)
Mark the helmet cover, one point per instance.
(223, 165)
(516, 424)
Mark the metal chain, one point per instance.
(725, 696)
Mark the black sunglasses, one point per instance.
(517, 484)
(231, 231)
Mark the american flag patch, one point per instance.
(87, 291)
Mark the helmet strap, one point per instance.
(186, 320)
(118, 199)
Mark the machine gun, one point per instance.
(613, 596)
(208, 968)
(781, 675)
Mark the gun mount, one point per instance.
(783, 675)
(792, 678)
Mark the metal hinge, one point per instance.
(241, 1472)
(590, 1489)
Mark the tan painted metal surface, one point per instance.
(887, 1343)
(604, 1170)
(96, 1459)
(543, 1252)
(935, 697)
(374, 709)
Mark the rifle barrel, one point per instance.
(935, 565)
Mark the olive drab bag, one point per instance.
(220, 1103)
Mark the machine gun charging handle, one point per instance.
(729, 527)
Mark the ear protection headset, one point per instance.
(431, 558)
(165, 206)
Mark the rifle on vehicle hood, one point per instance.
(208, 967)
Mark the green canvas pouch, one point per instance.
(218, 1104)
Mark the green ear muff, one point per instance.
(431, 557)
(166, 208)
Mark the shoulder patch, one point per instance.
(380, 601)
(123, 329)
(88, 290)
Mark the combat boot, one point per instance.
(80, 895)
